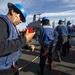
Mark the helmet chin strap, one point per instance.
(16, 18)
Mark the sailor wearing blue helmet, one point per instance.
(22, 10)
(11, 42)
(70, 31)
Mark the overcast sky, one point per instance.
(53, 9)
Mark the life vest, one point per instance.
(8, 60)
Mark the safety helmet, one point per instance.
(68, 22)
(45, 18)
(20, 8)
(60, 21)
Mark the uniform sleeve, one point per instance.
(6, 46)
(41, 34)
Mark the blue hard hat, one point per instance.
(60, 21)
(20, 8)
(45, 18)
(68, 22)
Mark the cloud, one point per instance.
(30, 16)
(33, 3)
(68, 6)
(65, 13)
(56, 14)
(69, 15)
(49, 0)
(30, 3)
(68, 1)
(3, 5)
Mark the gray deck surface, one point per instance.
(65, 67)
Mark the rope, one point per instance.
(28, 63)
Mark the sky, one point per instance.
(54, 10)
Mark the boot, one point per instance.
(40, 71)
(49, 66)
(58, 59)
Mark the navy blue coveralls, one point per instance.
(70, 31)
(46, 46)
(62, 39)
